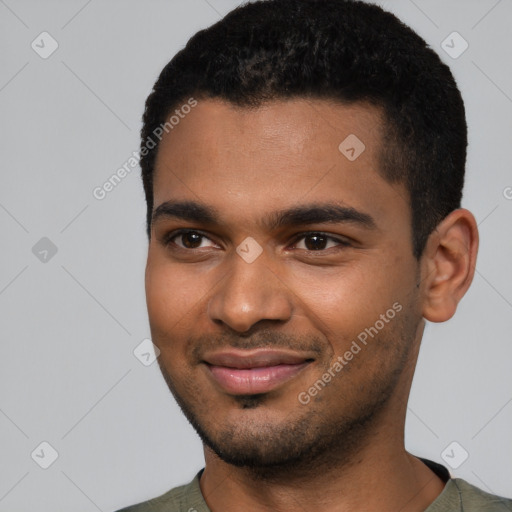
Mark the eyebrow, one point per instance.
(299, 215)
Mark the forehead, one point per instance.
(280, 153)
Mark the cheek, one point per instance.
(172, 295)
(343, 295)
(171, 301)
(344, 301)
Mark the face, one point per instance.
(280, 280)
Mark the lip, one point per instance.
(254, 372)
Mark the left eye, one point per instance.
(318, 242)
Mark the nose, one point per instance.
(248, 294)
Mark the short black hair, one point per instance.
(344, 50)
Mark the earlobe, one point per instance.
(448, 265)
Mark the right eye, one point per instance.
(188, 239)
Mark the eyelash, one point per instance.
(341, 243)
(169, 237)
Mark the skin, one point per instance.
(275, 452)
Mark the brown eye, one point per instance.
(315, 242)
(319, 242)
(190, 240)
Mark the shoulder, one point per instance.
(461, 496)
(474, 499)
(185, 498)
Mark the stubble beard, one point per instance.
(308, 440)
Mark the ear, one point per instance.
(448, 265)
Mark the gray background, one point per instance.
(70, 323)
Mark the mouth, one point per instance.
(243, 372)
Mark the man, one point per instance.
(303, 164)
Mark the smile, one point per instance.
(254, 372)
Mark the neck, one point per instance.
(379, 476)
(394, 482)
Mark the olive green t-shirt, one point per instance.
(457, 496)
